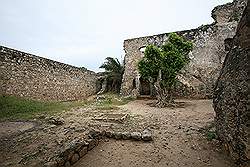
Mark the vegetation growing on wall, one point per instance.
(160, 66)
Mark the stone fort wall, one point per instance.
(232, 95)
(26, 75)
(199, 77)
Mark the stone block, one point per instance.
(147, 135)
(92, 143)
(60, 161)
(83, 151)
(118, 135)
(136, 135)
(109, 134)
(126, 135)
(74, 158)
(67, 164)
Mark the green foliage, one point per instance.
(21, 108)
(211, 135)
(114, 71)
(209, 131)
(150, 65)
(170, 58)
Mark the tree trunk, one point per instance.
(164, 95)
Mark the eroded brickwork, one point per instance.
(207, 57)
(27, 75)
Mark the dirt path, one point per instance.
(177, 137)
(177, 140)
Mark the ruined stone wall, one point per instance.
(199, 76)
(232, 95)
(27, 75)
(229, 12)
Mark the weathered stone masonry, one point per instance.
(232, 95)
(207, 57)
(27, 75)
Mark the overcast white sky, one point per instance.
(85, 32)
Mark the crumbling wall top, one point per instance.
(229, 12)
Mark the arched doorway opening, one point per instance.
(144, 87)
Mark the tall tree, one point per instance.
(160, 66)
(114, 71)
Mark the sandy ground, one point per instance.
(13, 128)
(177, 139)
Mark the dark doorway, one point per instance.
(144, 87)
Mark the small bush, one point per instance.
(211, 135)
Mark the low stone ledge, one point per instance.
(145, 135)
(72, 152)
(78, 148)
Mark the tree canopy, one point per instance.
(161, 65)
(114, 72)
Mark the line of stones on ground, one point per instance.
(76, 149)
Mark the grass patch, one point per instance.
(209, 131)
(106, 107)
(110, 101)
(19, 108)
(12, 108)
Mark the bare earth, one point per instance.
(177, 141)
(13, 128)
(177, 137)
